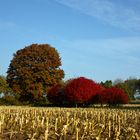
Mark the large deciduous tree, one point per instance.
(33, 70)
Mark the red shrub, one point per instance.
(101, 97)
(81, 90)
(56, 94)
(113, 96)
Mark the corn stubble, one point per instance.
(26, 123)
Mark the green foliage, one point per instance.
(129, 86)
(138, 84)
(9, 100)
(126, 89)
(4, 88)
(3, 84)
(33, 71)
(107, 84)
(117, 81)
(132, 84)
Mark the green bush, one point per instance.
(9, 100)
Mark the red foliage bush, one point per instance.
(55, 94)
(84, 91)
(81, 90)
(113, 96)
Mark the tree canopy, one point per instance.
(81, 90)
(113, 96)
(33, 70)
(107, 84)
(129, 86)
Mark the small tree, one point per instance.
(34, 70)
(4, 88)
(3, 84)
(113, 96)
(107, 84)
(81, 90)
(132, 85)
(123, 86)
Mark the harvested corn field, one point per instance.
(28, 123)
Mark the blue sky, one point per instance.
(98, 39)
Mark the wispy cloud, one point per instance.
(115, 13)
(118, 57)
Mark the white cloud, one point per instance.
(104, 58)
(125, 46)
(116, 14)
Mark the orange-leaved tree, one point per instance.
(33, 70)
